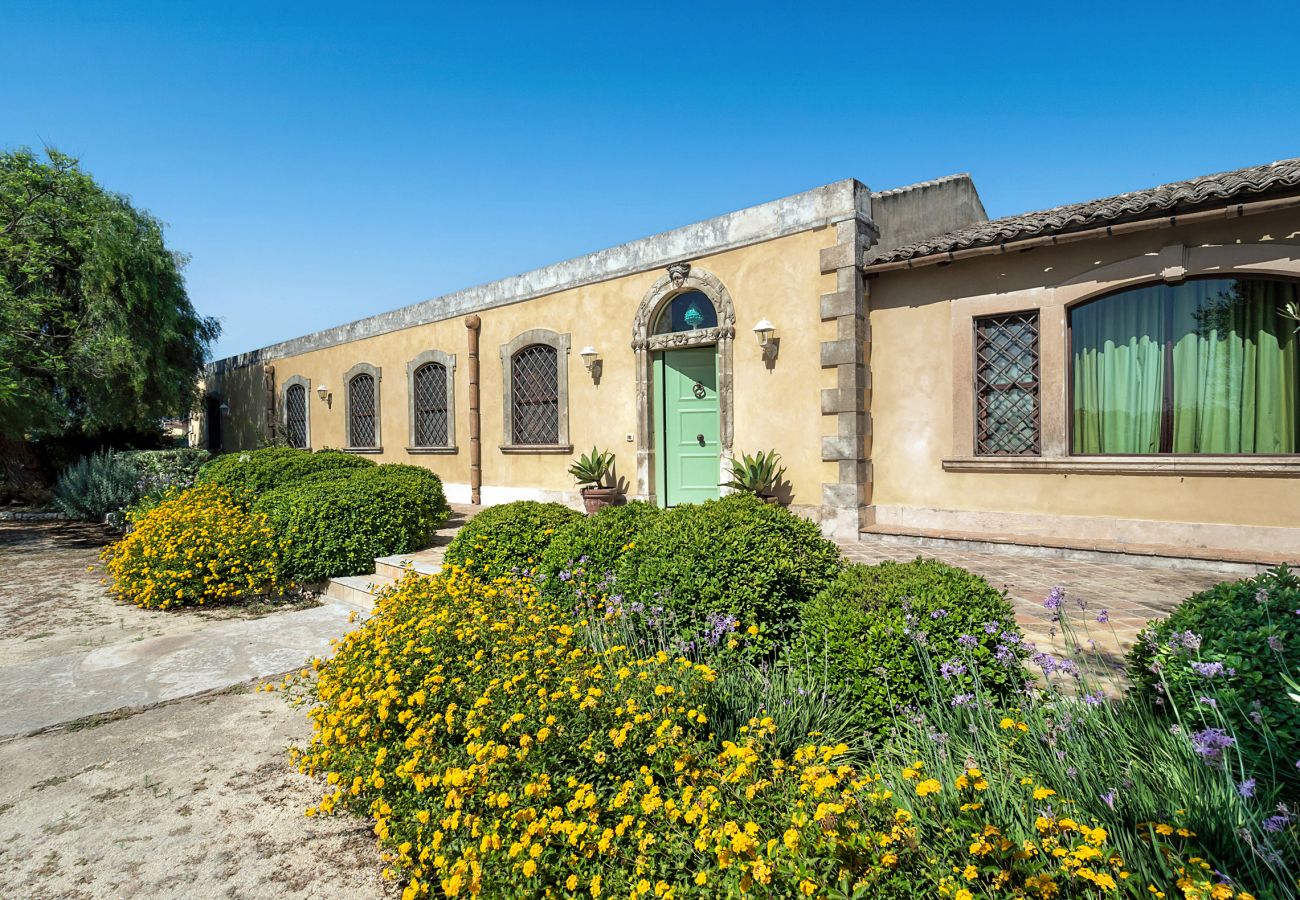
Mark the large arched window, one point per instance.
(535, 395)
(432, 406)
(429, 384)
(295, 415)
(1207, 366)
(362, 407)
(536, 381)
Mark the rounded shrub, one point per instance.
(262, 470)
(336, 522)
(508, 538)
(584, 554)
(1219, 658)
(893, 635)
(737, 558)
(196, 546)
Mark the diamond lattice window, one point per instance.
(535, 396)
(361, 405)
(430, 386)
(1007, 419)
(295, 415)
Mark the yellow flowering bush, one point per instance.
(197, 546)
(504, 747)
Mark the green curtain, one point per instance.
(1118, 348)
(1234, 368)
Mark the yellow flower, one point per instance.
(927, 787)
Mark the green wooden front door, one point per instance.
(686, 383)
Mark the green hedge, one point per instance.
(1229, 645)
(336, 522)
(508, 538)
(737, 557)
(871, 629)
(262, 470)
(584, 554)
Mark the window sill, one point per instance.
(363, 449)
(432, 451)
(1235, 466)
(538, 448)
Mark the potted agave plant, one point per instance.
(590, 472)
(758, 474)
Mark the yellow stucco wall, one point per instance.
(778, 408)
(920, 367)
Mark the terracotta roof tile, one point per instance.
(1181, 196)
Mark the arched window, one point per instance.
(1207, 366)
(295, 415)
(361, 409)
(535, 375)
(429, 390)
(689, 311)
(535, 395)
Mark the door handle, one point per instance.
(700, 438)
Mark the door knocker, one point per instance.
(698, 391)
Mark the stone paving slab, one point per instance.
(44, 693)
(1131, 593)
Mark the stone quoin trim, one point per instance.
(305, 384)
(448, 362)
(679, 279)
(376, 373)
(846, 502)
(560, 343)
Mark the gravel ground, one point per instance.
(192, 799)
(51, 604)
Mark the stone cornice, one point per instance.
(827, 205)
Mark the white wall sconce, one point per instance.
(765, 332)
(322, 391)
(591, 359)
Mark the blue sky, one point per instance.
(320, 162)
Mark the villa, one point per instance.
(1117, 375)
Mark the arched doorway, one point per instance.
(683, 336)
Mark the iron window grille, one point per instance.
(430, 386)
(361, 403)
(535, 395)
(295, 415)
(1007, 396)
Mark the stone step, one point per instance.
(424, 562)
(357, 591)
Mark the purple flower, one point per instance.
(1093, 698)
(991, 627)
(1261, 595)
(1208, 669)
(1104, 616)
(963, 700)
(1004, 654)
(939, 614)
(1275, 643)
(717, 626)
(1186, 639)
(952, 668)
(1109, 797)
(1054, 598)
(1246, 789)
(1208, 701)
(968, 640)
(1274, 824)
(1209, 744)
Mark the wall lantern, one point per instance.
(322, 391)
(588, 354)
(224, 409)
(764, 331)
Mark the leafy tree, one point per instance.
(96, 329)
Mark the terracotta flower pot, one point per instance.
(595, 499)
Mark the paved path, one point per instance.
(1131, 593)
(43, 693)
